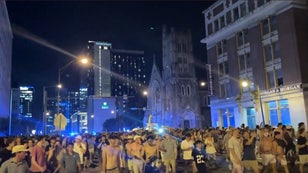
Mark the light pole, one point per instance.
(82, 60)
(247, 84)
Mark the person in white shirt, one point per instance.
(187, 146)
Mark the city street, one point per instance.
(221, 162)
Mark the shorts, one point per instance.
(282, 160)
(268, 158)
(303, 158)
(130, 164)
(250, 164)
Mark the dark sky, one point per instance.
(70, 24)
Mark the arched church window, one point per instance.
(188, 90)
(183, 90)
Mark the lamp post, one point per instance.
(82, 60)
(246, 84)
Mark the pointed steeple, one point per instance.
(154, 59)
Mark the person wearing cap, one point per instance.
(266, 150)
(38, 157)
(17, 162)
(187, 146)
(80, 148)
(111, 156)
(137, 153)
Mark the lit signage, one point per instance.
(282, 89)
(23, 88)
(105, 105)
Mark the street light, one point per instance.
(82, 60)
(202, 84)
(245, 84)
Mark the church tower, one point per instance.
(173, 100)
(181, 87)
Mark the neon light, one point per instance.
(105, 105)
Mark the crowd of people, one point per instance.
(265, 149)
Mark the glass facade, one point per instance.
(228, 117)
(279, 112)
(251, 119)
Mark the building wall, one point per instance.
(257, 102)
(5, 61)
(100, 109)
(288, 43)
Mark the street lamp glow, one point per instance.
(202, 84)
(244, 84)
(59, 86)
(145, 93)
(84, 60)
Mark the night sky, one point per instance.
(70, 24)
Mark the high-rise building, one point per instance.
(173, 92)
(262, 44)
(5, 62)
(100, 73)
(115, 72)
(26, 101)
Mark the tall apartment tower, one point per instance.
(173, 99)
(263, 43)
(26, 101)
(100, 54)
(116, 72)
(5, 61)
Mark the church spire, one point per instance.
(154, 59)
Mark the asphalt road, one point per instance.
(222, 167)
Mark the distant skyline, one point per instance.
(69, 25)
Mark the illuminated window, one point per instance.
(279, 112)
(227, 116)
